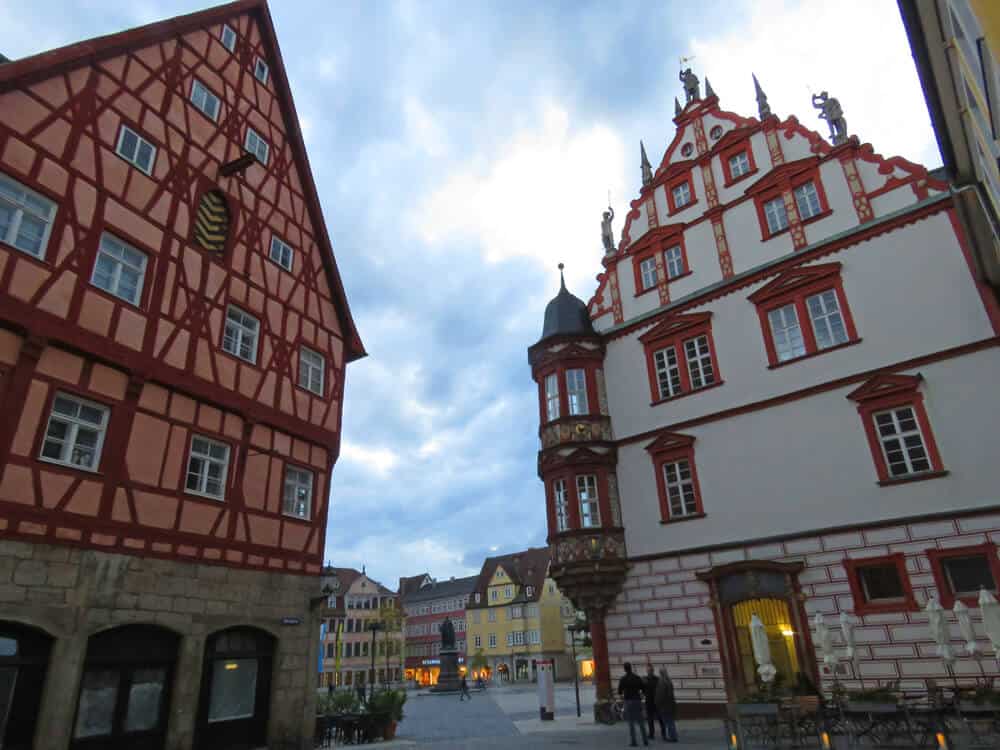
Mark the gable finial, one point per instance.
(708, 88)
(647, 169)
(562, 281)
(763, 108)
(677, 108)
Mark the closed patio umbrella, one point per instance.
(965, 625)
(939, 632)
(847, 630)
(991, 620)
(761, 650)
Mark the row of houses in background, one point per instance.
(506, 618)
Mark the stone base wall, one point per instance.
(664, 614)
(72, 594)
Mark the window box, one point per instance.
(26, 218)
(880, 584)
(680, 194)
(959, 573)
(676, 477)
(898, 430)
(136, 150)
(74, 435)
(120, 269)
(680, 356)
(804, 312)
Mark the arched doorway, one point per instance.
(235, 689)
(124, 696)
(24, 660)
(771, 591)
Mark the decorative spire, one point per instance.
(763, 108)
(708, 88)
(677, 108)
(647, 169)
(562, 281)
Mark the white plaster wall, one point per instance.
(890, 282)
(743, 233)
(797, 147)
(703, 259)
(894, 200)
(761, 157)
(687, 136)
(807, 465)
(838, 197)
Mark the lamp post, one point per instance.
(374, 626)
(579, 626)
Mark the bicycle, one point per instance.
(610, 712)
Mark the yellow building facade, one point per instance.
(517, 616)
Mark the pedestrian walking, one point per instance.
(329, 689)
(666, 705)
(464, 690)
(630, 688)
(649, 693)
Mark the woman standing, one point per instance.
(666, 704)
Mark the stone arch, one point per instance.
(235, 704)
(25, 651)
(126, 685)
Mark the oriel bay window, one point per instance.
(586, 492)
(567, 390)
(552, 396)
(804, 312)
(680, 356)
(898, 430)
(576, 391)
(676, 477)
(560, 504)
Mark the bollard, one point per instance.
(546, 690)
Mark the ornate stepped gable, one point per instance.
(704, 134)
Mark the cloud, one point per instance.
(377, 459)
(539, 196)
(854, 49)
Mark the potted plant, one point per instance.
(386, 708)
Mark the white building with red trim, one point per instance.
(780, 400)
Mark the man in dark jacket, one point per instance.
(652, 714)
(630, 688)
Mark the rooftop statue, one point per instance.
(690, 81)
(831, 112)
(607, 234)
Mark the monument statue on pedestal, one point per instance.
(448, 678)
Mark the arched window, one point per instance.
(24, 659)
(125, 691)
(211, 224)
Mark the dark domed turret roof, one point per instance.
(566, 314)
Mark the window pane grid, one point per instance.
(240, 336)
(562, 515)
(204, 100)
(739, 164)
(807, 201)
(682, 195)
(257, 146)
(552, 396)
(576, 390)
(786, 333)
(298, 492)
(136, 150)
(699, 362)
(281, 253)
(647, 270)
(902, 442)
(74, 435)
(119, 269)
(668, 373)
(777, 216)
(680, 489)
(228, 37)
(25, 218)
(827, 322)
(675, 261)
(207, 467)
(312, 369)
(586, 491)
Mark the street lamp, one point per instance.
(374, 626)
(579, 626)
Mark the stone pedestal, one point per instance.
(448, 679)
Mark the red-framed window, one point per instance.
(898, 430)
(880, 584)
(567, 390)
(680, 356)
(676, 477)
(737, 162)
(804, 312)
(960, 572)
(579, 498)
(804, 189)
(680, 194)
(671, 252)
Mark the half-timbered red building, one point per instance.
(173, 337)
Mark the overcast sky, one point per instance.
(462, 150)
